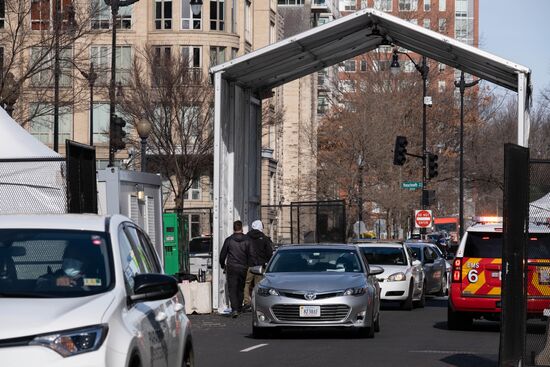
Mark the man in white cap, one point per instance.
(261, 249)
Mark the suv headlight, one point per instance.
(72, 342)
(266, 292)
(355, 291)
(397, 277)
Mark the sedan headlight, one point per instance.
(72, 342)
(355, 291)
(397, 277)
(266, 292)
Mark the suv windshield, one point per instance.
(481, 244)
(315, 260)
(200, 245)
(53, 263)
(385, 255)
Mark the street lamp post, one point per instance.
(144, 129)
(462, 85)
(91, 77)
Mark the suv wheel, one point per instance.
(189, 357)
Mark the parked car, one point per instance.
(434, 265)
(87, 290)
(317, 286)
(403, 278)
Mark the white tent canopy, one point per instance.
(32, 176)
(241, 83)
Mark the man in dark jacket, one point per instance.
(261, 249)
(236, 250)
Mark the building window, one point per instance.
(101, 18)
(441, 86)
(381, 65)
(348, 65)
(193, 55)
(348, 5)
(234, 52)
(427, 5)
(322, 104)
(426, 23)
(322, 77)
(272, 33)
(188, 19)
(363, 65)
(217, 15)
(101, 57)
(194, 225)
(101, 122)
(248, 21)
(442, 66)
(163, 14)
(2, 14)
(347, 86)
(217, 55)
(194, 192)
(290, 2)
(101, 15)
(162, 58)
(43, 64)
(40, 14)
(408, 5)
(384, 5)
(442, 25)
(408, 66)
(442, 5)
(41, 124)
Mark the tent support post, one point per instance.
(217, 230)
(524, 102)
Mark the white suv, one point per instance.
(87, 290)
(403, 277)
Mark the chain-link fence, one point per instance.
(537, 276)
(36, 185)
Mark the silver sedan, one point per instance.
(317, 286)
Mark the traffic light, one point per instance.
(432, 165)
(118, 134)
(400, 151)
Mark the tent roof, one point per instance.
(16, 142)
(354, 35)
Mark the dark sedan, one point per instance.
(434, 265)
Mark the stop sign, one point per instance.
(423, 218)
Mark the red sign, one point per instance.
(423, 218)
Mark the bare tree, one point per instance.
(178, 102)
(29, 43)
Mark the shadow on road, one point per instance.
(304, 333)
(430, 302)
(469, 360)
(483, 326)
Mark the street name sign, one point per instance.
(423, 218)
(411, 185)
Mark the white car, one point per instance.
(87, 290)
(403, 277)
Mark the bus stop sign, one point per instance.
(423, 218)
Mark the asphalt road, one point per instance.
(407, 338)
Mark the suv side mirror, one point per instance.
(416, 262)
(153, 287)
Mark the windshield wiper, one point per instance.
(24, 295)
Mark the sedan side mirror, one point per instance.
(153, 287)
(257, 270)
(375, 270)
(416, 262)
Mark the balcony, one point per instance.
(322, 6)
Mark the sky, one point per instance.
(518, 30)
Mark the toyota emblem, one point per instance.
(310, 296)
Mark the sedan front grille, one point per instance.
(299, 295)
(328, 313)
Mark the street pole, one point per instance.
(91, 77)
(424, 72)
(143, 151)
(462, 85)
(56, 74)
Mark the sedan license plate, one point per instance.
(310, 311)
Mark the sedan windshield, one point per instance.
(385, 255)
(38, 263)
(315, 260)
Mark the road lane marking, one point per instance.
(443, 351)
(253, 347)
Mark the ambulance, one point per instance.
(476, 273)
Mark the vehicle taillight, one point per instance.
(457, 270)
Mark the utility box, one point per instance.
(137, 195)
(172, 243)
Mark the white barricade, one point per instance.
(198, 297)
